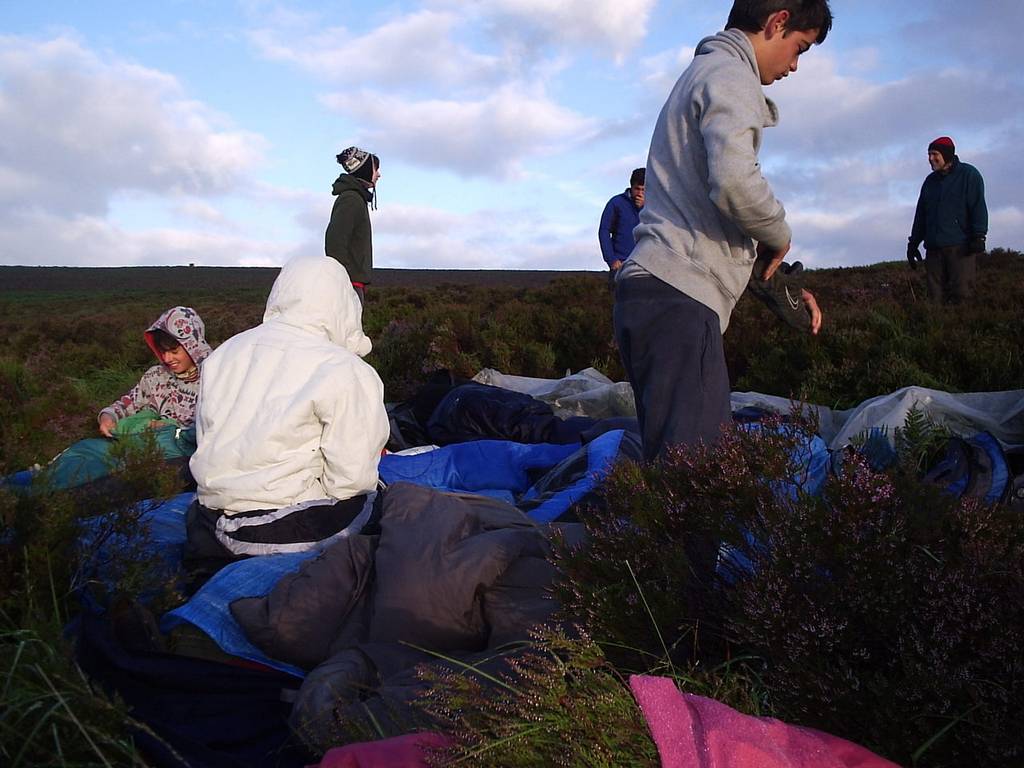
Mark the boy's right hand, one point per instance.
(107, 424)
(774, 258)
(811, 305)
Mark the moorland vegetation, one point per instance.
(895, 612)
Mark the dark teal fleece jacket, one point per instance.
(349, 238)
(951, 209)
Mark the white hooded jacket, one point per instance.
(288, 412)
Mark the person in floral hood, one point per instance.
(170, 389)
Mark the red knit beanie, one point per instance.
(944, 146)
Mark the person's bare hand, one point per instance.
(617, 264)
(774, 256)
(811, 305)
(107, 425)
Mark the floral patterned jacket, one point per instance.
(160, 389)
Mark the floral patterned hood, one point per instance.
(184, 324)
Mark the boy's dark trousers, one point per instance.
(951, 272)
(671, 347)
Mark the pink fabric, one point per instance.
(408, 751)
(696, 732)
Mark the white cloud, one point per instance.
(989, 35)
(417, 237)
(86, 126)
(40, 238)
(659, 73)
(201, 211)
(1006, 227)
(826, 113)
(485, 137)
(848, 157)
(612, 27)
(406, 52)
(829, 239)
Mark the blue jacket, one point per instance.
(616, 231)
(951, 209)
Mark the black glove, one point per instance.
(783, 294)
(977, 244)
(913, 255)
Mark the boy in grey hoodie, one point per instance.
(706, 205)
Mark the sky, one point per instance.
(190, 131)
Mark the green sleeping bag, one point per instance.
(92, 458)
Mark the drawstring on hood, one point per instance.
(184, 325)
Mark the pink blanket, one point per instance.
(407, 751)
(696, 732)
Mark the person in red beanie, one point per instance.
(952, 221)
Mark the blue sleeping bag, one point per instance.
(543, 479)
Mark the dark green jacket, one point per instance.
(951, 209)
(348, 237)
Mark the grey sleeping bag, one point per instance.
(458, 575)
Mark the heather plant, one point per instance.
(881, 334)
(88, 539)
(891, 615)
(881, 610)
(66, 354)
(559, 703)
(58, 548)
(645, 584)
(398, 355)
(531, 333)
(557, 700)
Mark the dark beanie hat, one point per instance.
(944, 146)
(359, 163)
(637, 177)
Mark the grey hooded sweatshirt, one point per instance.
(706, 200)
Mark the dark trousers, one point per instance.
(672, 350)
(951, 272)
(215, 539)
(611, 279)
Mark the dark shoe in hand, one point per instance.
(783, 293)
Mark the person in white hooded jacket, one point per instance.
(290, 424)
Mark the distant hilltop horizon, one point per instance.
(151, 278)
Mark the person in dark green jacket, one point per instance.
(349, 239)
(952, 220)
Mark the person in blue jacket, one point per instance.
(620, 215)
(952, 220)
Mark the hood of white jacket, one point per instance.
(314, 293)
